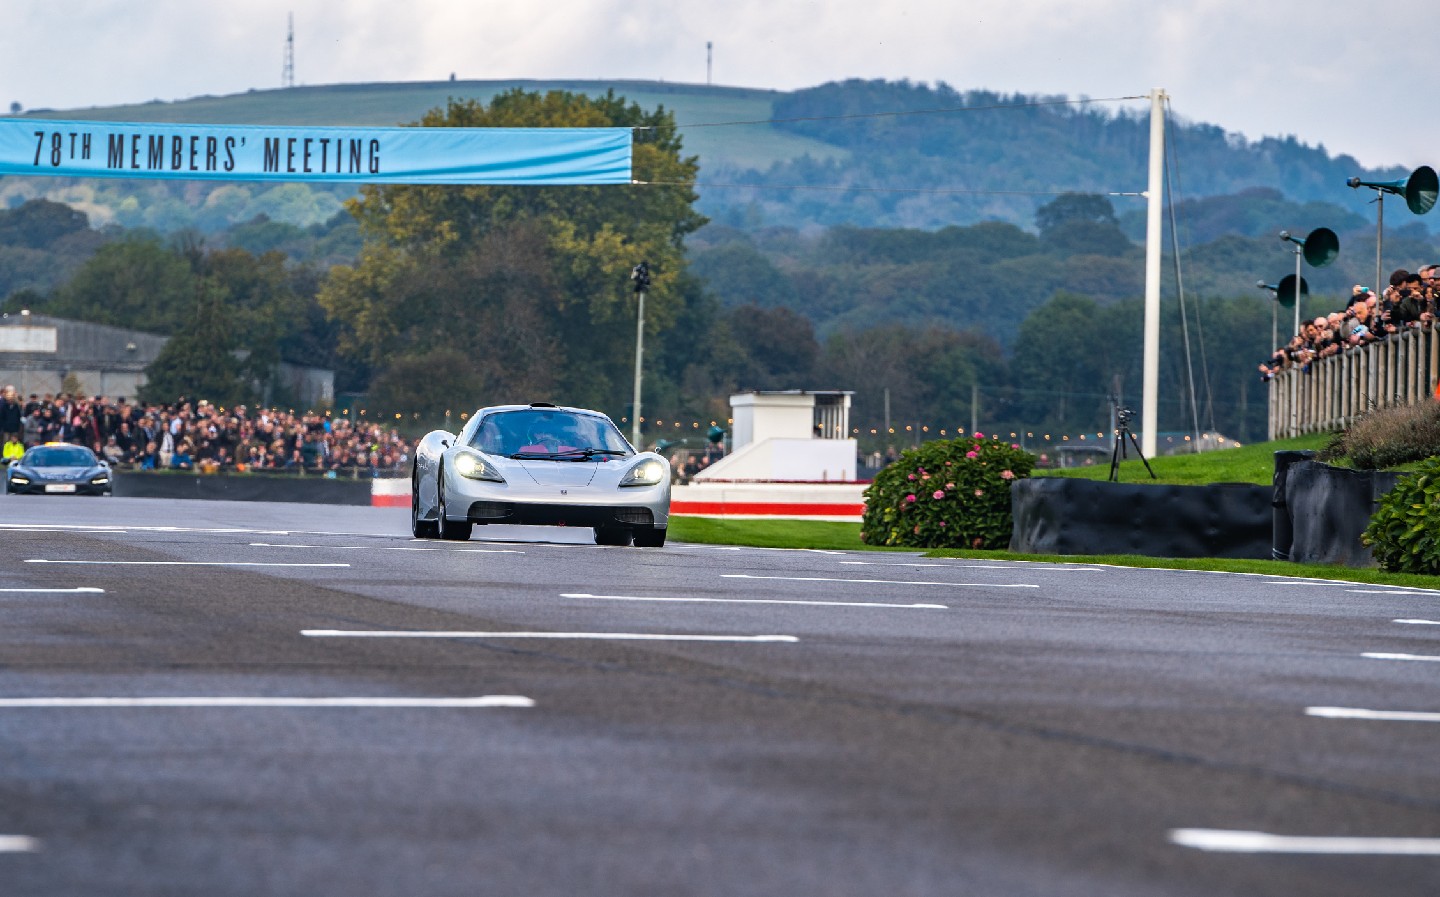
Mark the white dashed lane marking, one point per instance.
(1225, 841)
(1400, 716)
(391, 548)
(601, 636)
(109, 702)
(886, 582)
(1420, 622)
(179, 563)
(90, 590)
(1375, 655)
(755, 601)
(18, 844)
(1027, 566)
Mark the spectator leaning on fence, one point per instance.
(1409, 302)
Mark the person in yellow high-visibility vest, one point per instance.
(14, 448)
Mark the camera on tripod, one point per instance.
(1123, 416)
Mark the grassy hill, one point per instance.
(386, 104)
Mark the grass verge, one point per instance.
(833, 536)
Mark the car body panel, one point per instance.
(563, 490)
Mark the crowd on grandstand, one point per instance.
(197, 435)
(1409, 301)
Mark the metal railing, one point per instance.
(1399, 370)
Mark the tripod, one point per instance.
(1122, 433)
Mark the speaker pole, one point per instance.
(1379, 238)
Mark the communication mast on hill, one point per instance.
(708, 46)
(287, 75)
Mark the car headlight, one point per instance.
(476, 468)
(100, 480)
(19, 480)
(646, 473)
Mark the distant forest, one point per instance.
(921, 294)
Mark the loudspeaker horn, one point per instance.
(1420, 189)
(1320, 247)
(1285, 290)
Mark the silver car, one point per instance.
(544, 465)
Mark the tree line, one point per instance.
(436, 299)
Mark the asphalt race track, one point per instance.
(247, 699)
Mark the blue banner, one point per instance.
(536, 156)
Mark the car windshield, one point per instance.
(60, 456)
(545, 433)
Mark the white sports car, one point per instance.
(539, 464)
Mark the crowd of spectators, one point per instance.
(197, 435)
(1408, 302)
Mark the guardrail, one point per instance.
(1399, 370)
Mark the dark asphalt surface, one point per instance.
(1042, 733)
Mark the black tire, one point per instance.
(420, 529)
(449, 529)
(650, 538)
(612, 535)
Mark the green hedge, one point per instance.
(1404, 532)
(948, 493)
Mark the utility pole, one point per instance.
(1150, 402)
(640, 276)
(974, 407)
(708, 47)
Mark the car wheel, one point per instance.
(420, 529)
(650, 538)
(612, 535)
(449, 529)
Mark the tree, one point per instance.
(1067, 207)
(199, 360)
(527, 285)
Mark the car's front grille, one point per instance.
(635, 516)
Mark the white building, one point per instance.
(796, 436)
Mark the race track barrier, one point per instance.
(794, 501)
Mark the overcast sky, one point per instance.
(1353, 77)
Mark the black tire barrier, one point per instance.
(243, 487)
(1282, 534)
(1329, 507)
(1058, 515)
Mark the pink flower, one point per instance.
(972, 454)
(938, 495)
(1015, 445)
(979, 435)
(979, 492)
(1007, 474)
(947, 463)
(949, 485)
(909, 498)
(912, 476)
(942, 523)
(917, 529)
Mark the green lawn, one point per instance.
(1247, 464)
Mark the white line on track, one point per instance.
(391, 548)
(1028, 565)
(1398, 716)
(179, 563)
(1379, 656)
(754, 601)
(201, 701)
(18, 844)
(760, 548)
(83, 589)
(1226, 841)
(602, 636)
(886, 582)
(1419, 622)
(1388, 592)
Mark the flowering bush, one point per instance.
(949, 493)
